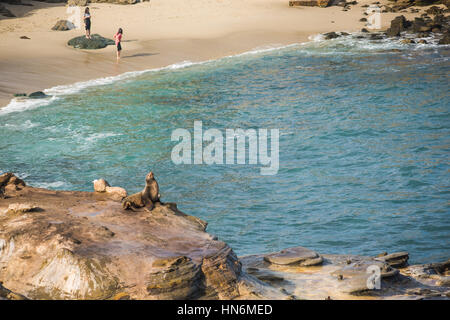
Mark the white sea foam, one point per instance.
(22, 126)
(47, 185)
(101, 135)
(20, 104)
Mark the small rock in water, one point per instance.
(364, 30)
(20, 94)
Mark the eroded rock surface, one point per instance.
(348, 277)
(84, 245)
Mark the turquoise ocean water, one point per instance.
(364, 144)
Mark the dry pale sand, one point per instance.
(156, 33)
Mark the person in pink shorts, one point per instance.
(118, 39)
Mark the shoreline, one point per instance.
(36, 67)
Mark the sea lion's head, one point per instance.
(149, 177)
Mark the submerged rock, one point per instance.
(97, 42)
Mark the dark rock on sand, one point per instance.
(97, 42)
(5, 12)
(398, 25)
(37, 95)
(363, 19)
(63, 25)
(331, 35)
(24, 37)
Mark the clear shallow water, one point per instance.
(364, 145)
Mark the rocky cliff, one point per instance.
(84, 245)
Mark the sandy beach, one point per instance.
(156, 33)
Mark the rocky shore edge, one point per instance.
(84, 245)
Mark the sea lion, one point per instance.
(146, 198)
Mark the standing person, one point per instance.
(118, 38)
(87, 22)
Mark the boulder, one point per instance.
(97, 42)
(116, 192)
(63, 25)
(9, 182)
(100, 185)
(37, 95)
(331, 35)
(398, 25)
(294, 256)
(5, 12)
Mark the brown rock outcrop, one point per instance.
(83, 245)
